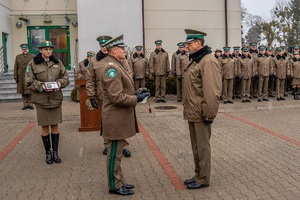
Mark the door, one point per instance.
(58, 35)
(4, 42)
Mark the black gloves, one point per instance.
(179, 77)
(142, 94)
(94, 102)
(207, 121)
(17, 80)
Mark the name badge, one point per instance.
(55, 66)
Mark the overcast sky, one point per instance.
(259, 7)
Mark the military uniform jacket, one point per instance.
(280, 66)
(21, 63)
(182, 62)
(38, 72)
(126, 65)
(118, 111)
(203, 85)
(93, 87)
(82, 70)
(159, 62)
(229, 67)
(295, 68)
(139, 66)
(264, 65)
(245, 67)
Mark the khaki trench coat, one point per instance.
(245, 67)
(203, 86)
(159, 63)
(139, 66)
(264, 65)
(229, 68)
(21, 63)
(280, 67)
(118, 111)
(81, 71)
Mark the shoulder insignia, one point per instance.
(55, 66)
(110, 63)
(111, 73)
(27, 69)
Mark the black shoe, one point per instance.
(244, 101)
(254, 96)
(126, 153)
(225, 102)
(157, 101)
(105, 151)
(121, 191)
(25, 107)
(259, 100)
(278, 99)
(163, 100)
(189, 181)
(281, 98)
(196, 185)
(266, 99)
(247, 100)
(271, 95)
(128, 186)
(285, 95)
(178, 100)
(229, 101)
(31, 107)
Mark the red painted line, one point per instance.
(169, 170)
(290, 140)
(14, 143)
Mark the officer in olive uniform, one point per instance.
(82, 69)
(280, 68)
(159, 65)
(218, 53)
(264, 70)
(44, 68)
(21, 63)
(295, 74)
(245, 71)
(140, 68)
(254, 82)
(203, 85)
(237, 80)
(94, 90)
(272, 78)
(119, 118)
(180, 61)
(229, 71)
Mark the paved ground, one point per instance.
(255, 155)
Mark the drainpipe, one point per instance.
(143, 23)
(226, 24)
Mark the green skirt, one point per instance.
(49, 116)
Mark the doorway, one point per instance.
(4, 46)
(58, 35)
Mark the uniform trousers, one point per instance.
(139, 83)
(26, 98)
(179, 88)
(246, 84)
(228, 89)
(160, 86)
(280, 87)
(114, 157)
(200, 134)
(263, 87)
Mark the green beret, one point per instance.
(245, 49)
(158, 42)
(226, 48)
(296, 47)
(270, 48)
(218, 50)
(24, 46)
(103, 39)
(115, 42)
(262, 47)
(279, 49)
(236, 48)
(181, 44)
(90, 54)
(253, 44)
(138, 48)
(193, 35)
(45, 44)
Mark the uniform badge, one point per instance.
(111, 73)
(55, 66)
(27, 69)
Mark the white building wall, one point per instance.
(5, 27)
(108, 17)
(166, 20)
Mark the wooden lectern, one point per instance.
(90, 119)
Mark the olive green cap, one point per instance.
(24, 46)
(192, 35)
(90, 53)
(218, 50)
(245, 49)
(139, 48)
(296, 47)
(296, 53)
(279, 49)
(236, 48)
(253, 44)
(103, 39)
(262, 47)
(158, 42)
(115, 42)
(269, 48)
(181, 44)
(45, 44)
(226, 48)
